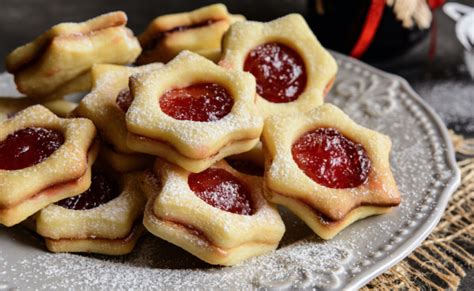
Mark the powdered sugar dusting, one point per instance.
(221, 189)
(419, 163)
(231, 228)
(151, 266)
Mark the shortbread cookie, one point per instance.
(199, 31)
(193, 113)
(327, 169)
(105, 219)
(106, 106)
(292, 69)
(9, 106)
(43, 159)
(58, 61)
(218, 215)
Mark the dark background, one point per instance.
(442, 81)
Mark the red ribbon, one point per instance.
(372, 21)
(435, 3)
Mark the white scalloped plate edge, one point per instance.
(418, 236)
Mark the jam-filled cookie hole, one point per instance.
(102, 190)
(279, 70)
(220, 189)
(331, 159)
(124, 100)
(202, 102)
(28, 147)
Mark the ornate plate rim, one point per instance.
(433, 217)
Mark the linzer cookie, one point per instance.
(106, 106)
(199, 31)
(327, 169)
(218, 215)
(104, 219)
(193, 113)
(293, 71)
(43, 159)
(58, 61)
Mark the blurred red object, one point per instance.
(372, 29)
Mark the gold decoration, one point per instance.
(411, 12)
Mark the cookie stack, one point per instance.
(193, 131)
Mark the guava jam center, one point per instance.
(279, 71)
(28, 147)
(221, 189)
(331, 159)
(199, 102)
(124, 100)
(102, 190)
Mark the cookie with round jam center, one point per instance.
(221, 189)
(199, 102)
(331, 159)
(28, 147)
(279, 70)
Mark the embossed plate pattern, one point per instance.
(424, 167)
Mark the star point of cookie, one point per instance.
(193, 113)
(43, 158)
(106, 106)
(218, 215)
(327, 169)
(293, 71)
(58, 62)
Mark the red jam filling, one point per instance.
(200, 102)
(221, 189)
(28, 147)
(331, 159)
(124, 100)
(279, 70)
(102, 190)
(246, 167)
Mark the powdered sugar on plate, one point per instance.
(424, 172)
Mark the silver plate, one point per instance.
(424, 166)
